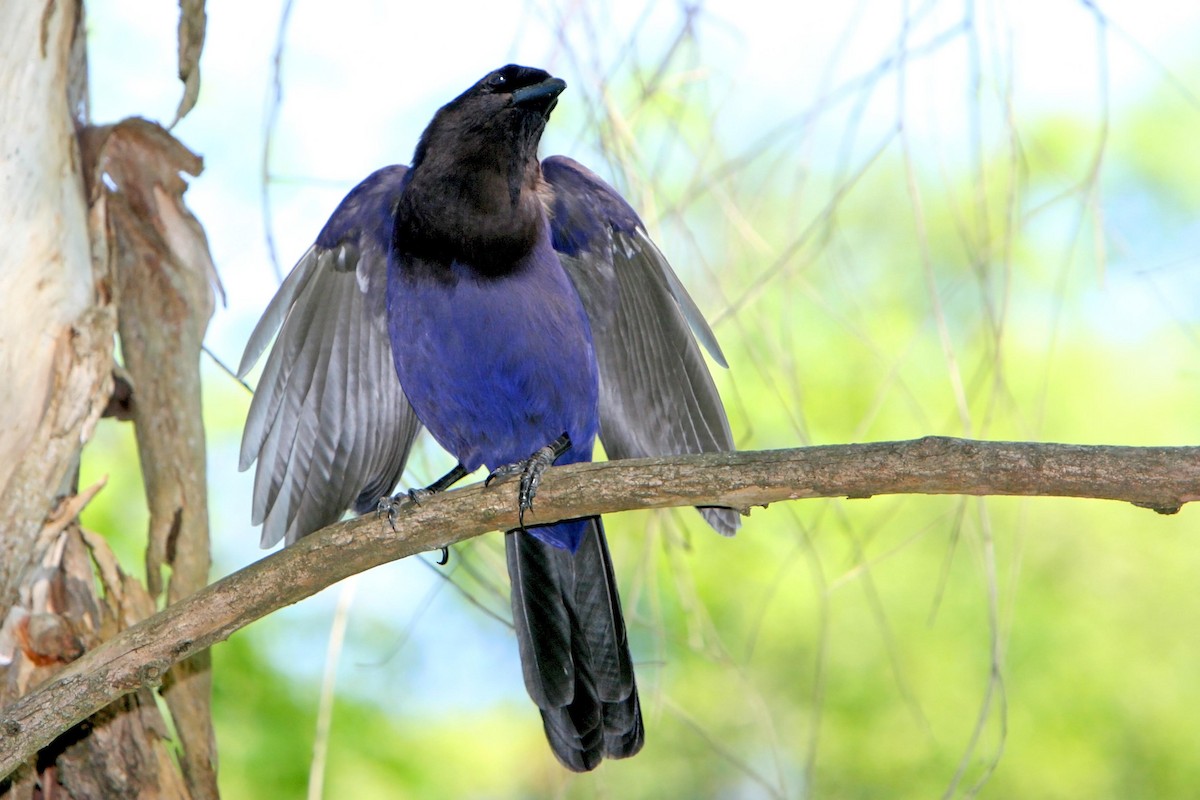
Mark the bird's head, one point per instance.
(474, 190)
(500, 118)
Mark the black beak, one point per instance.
(542, 96)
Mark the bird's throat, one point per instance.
(478, 218)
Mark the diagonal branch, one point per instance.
(1160, 478)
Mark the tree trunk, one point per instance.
(85, 257)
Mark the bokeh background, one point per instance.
(902, 218)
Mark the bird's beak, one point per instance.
(544, 94)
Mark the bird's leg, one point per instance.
(392, 505)
(531, 470)
(440, 485)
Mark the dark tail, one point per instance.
(574, 652)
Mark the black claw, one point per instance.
(530, 470)
(504, 471)
(444, 559)
(390, 506)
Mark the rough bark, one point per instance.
(121, 751)
(1160, 478)
(163, 278)
(56, 330)
(72, 246)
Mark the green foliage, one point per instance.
(844, 648)
(264, 724)
(119, 510)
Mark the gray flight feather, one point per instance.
(657, 396)
(329, 425)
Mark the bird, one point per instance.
(517, 309)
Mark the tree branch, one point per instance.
(1160, 478)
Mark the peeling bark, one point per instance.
(122, 751)
(76, 252)
(164, 282)
(56, 332)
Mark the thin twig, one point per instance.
(274, 102)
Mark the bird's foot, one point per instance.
(390, 506)
(401, 500)
(530, 470)
(396, 503)
(393, 505)
(418, 496)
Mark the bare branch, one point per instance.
(1160, 478)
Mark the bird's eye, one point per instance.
(497, 80)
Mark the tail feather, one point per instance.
(574, 650)
(537, 572)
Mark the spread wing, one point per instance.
(656, 394)
(329, 425)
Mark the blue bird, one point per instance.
(516, 309)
